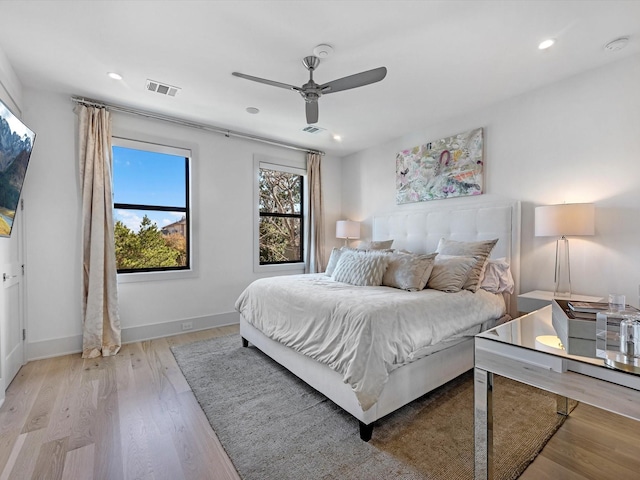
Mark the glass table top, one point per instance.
(535, 331)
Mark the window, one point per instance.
(151, 207)
(281, 219)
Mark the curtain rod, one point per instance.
(186, 123)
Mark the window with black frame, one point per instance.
(281, 220)
(151, 207)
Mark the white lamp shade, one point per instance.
(565, 219)
(347, 229)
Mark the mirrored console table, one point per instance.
(524, 350)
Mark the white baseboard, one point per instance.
(67, 345)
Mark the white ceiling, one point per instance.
(444, 58)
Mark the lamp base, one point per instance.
(558, 294)
(563, 269)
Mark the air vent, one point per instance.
(313, 129)
(162, 88)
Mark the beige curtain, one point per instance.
(315, 261)
(101, 322)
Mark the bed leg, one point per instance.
(366, 431)
(245, 342)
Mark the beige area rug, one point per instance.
(274, 426)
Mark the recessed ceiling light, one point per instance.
(252, 110)
(114, 75)
(337, 137)
(546, 43)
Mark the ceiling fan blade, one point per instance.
(267, 82)
(353, 81)
(312, 112)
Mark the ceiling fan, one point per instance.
(311, 91)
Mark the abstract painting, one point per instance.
(449, 167)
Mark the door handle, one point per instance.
(6, 277)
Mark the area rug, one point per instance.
(274, 426)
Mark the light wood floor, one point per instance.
(133, 416)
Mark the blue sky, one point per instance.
(148, 178)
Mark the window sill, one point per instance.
(155, 276)
(291, 268)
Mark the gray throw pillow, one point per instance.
(480, 250)
(375, 245)
(450, 273)
(408, 271)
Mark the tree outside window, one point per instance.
(281, 217)
(151, 211)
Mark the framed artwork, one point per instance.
(449, 167)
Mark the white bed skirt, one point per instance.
(405, 384)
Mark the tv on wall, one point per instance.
(16, 143)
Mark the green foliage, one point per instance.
(148, 248)
(279, 240)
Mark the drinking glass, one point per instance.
(617, 302)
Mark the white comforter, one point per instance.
(361, 332)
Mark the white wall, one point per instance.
(577, 140)
(222, 221)
(574, 141)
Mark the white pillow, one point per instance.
(497, 277)
(360, 268)
(335, 257)
(333, 261)
(408, 271)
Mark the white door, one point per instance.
(12, 341)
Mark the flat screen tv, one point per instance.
(16, 143)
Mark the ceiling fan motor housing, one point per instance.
(311, 62)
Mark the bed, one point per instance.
(371, 382)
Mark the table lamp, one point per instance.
(562, 221)
(347, 229)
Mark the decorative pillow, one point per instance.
(480, 250)
(335, 257)
(408, 271)
(333, 261)
(375, 245)
(450, 273)
(497, 277)
(360, 268)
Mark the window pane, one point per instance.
(280, 192)
(150, 239)
(280, 240)
(148, 178)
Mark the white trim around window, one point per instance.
(297, 167)
(142, 142)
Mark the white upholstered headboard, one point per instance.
(420, 228)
